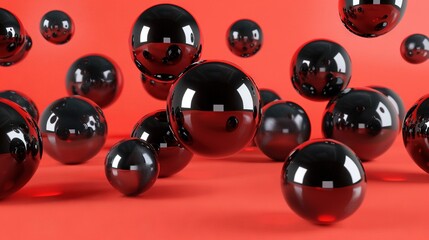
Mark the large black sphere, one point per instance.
(73, 129)
(363, 119)
(415, 48)
(22, 100)
(415, 132)
(244, 38)
(371, 18)
(214, 109)
(154, 129)
(323, 181)
(165, 39)
(131, 166)
(14, 40)
(95, 77)
(320, 69)
(284, 126)
(20, 147)
(57, 27)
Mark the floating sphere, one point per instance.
(95, 77)
(214, 109)
(415, 48)
(73, 129)
(363, 119)
(14, 40)
(320, 70)
(57, 27)
(415, 132)
(20, 147)
(396, 101)
(154, 129)
(323, 181)
(244, 38)
(284, 126)
(131, 166)
(165, 39)
(367, 18)
(268, 95)
(23, 101)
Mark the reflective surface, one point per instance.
(396, 101)
(284, 126)
(165, 39)
(371, 18)
(20, 147)
(95, 77)
(214, 109)
(268, 95)
(154, 129)
(415, 132)
(363, 119)
(323, 181)
(22, 100)
(14, 40)
(320, 70)
(415, 48)
(57, 27)
(131, 166)
(244, 38)
(73, 129)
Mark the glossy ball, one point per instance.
(14, 40)
(320, 70)
(371, 18)
(268, 95)
(23, 101)
(95, 77)
(214, 109)
(165, 39)
(284, 126)
(131, 166)
(363, 119)
(20, 147)
(244, 38)
(73, 129)
(415, 132)
(154, 129)
(396, 101)
(323, 181)
(415, 48)
(57, 27)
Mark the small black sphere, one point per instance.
(415, 48)
(57, 27)
(244, 38)
(267, 96)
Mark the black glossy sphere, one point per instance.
(57, 27)
(22, 100)
(95, 77)
(323, 181)
(363, 119)
(165, 39)
(415, 48)
(320, 70)
(284, 126)
(396, 101)
(371, 18)
(154, 129)
(14, 40)
(415, 132)
(131, 166)
(244, 38)
(73, 129)
(214, 109)
(20, 147)
(267, 96)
